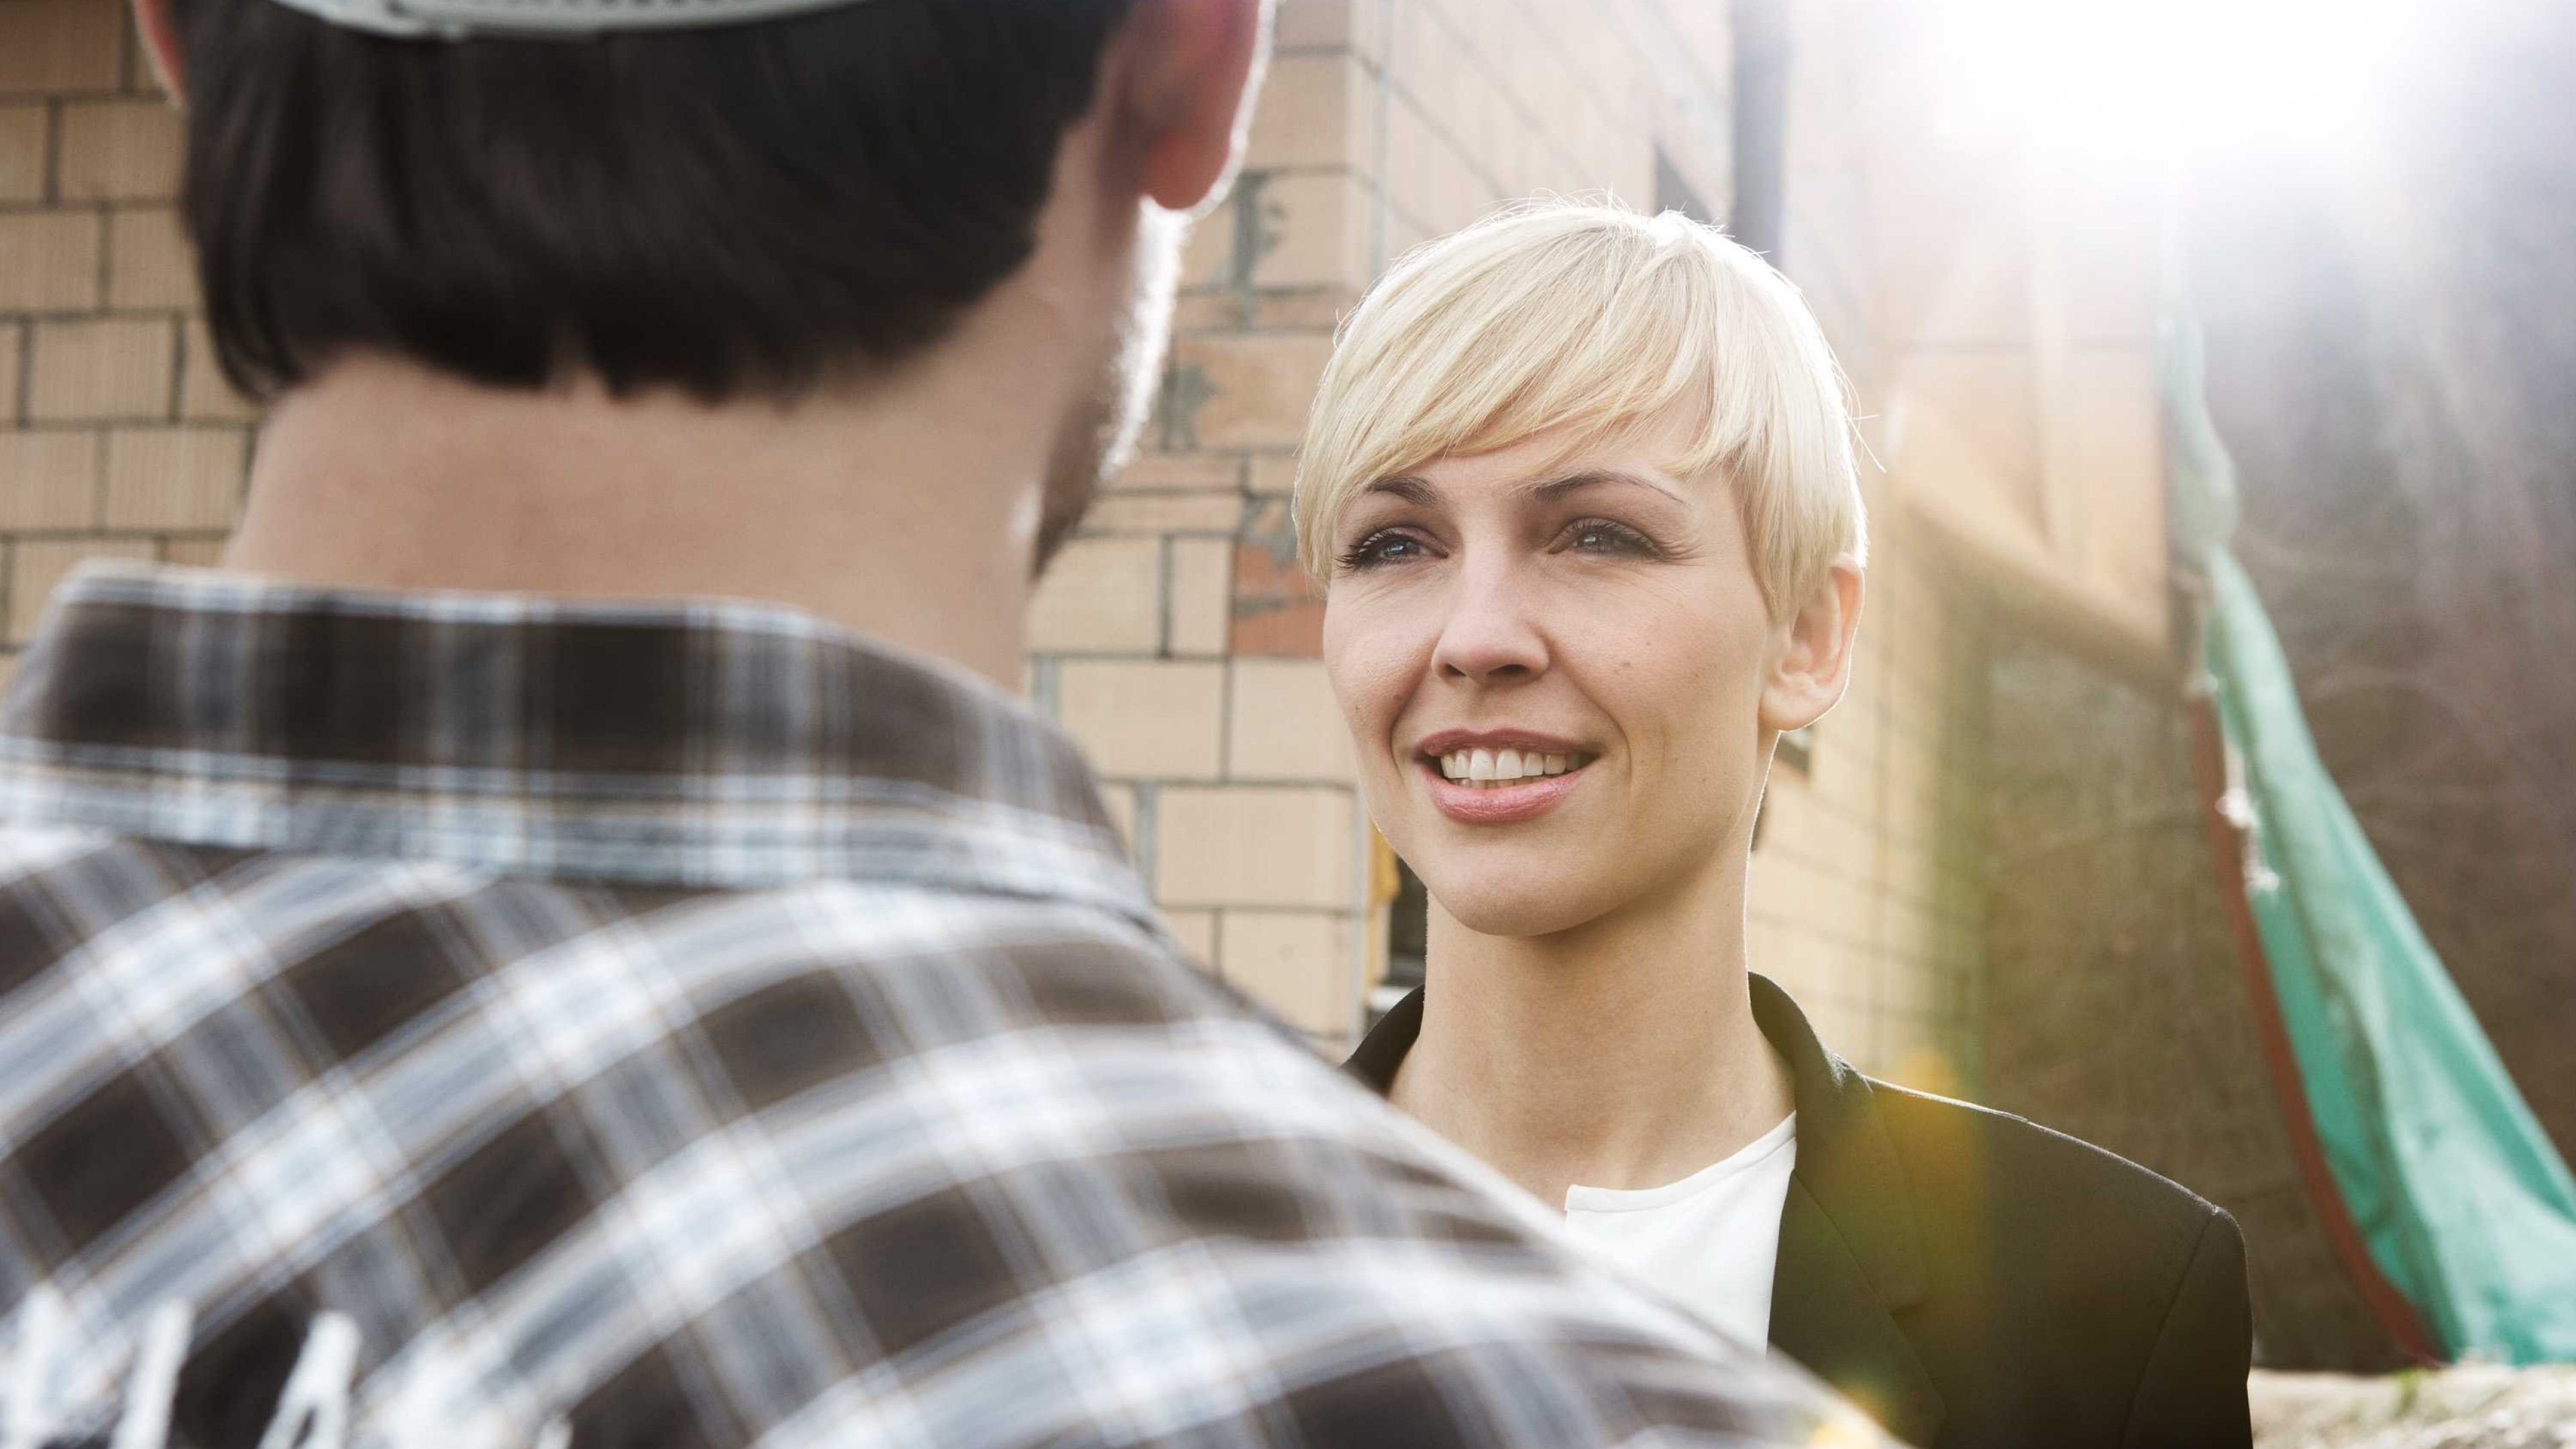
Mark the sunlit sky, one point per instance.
(2165, 79)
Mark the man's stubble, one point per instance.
(1101, 435)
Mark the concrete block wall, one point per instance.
(117, 433)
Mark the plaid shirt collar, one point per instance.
(698, 743)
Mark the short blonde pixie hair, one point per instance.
(1614, 325)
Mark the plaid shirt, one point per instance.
(695, 1026)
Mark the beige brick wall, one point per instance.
(117, 434)
(1866, 886)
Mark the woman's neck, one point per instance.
(1622, 1053)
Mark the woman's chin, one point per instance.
(1504, 906)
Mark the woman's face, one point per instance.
(1561, 679)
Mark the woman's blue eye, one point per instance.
(1382, 548)
(1600, 535)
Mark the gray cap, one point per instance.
(542, 19)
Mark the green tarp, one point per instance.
(2463, 1203)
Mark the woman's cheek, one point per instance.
(1373, 666)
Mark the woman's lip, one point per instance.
(1522, 799)
(1449, 742)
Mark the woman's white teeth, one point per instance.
(1495, 767)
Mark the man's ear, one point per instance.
(161, 46)
(1812, 653)
(1188, 93)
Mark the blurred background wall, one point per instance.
(1985, 872)
(117, 435)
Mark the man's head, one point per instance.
(729, 211)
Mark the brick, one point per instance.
(1277, 630)
(1120, 802)
(48, 479)
(22, 152)
(161, 479)
(1197, 933)
(1271, 474)
(1207, 257)
(35, 567)
(119, 151)
(1243, 391)
(1194, 312)
(1429, 175)
(1219, 513)
(13, 339)
(1284, 724)
(1314, 231)
(1842, 1021)
(1156, 472)
(149, 262)
(1784, 888)
(1296, 963)
(1277, 609)
(49, 260)
(1145, 719)
(1201, 609)
(1313, 25)
(102, 368)
(1311, 112)
(1100, 595)
(1805, 962)
(1254, 846)
(204, 395)
(1303, 309)
(50, 46)
(195, 553)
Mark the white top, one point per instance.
(1711, 1239)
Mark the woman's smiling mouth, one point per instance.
(1494, 768)
(1496, 780)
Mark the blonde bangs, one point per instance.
(1614, 328)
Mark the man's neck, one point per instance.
(905, 509)
(1620, 1054)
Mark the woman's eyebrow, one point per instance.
(1406, 487)
(1556, 488)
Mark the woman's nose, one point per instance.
(1490, 634)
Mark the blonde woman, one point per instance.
(1579, 488)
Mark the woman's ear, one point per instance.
(1813, 652)
(161, 46)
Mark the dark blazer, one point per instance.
(1970, 1278)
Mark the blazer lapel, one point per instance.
(1849, 1254)
(1848, 1250)
(1824, 1315)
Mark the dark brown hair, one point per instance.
(722, 210)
